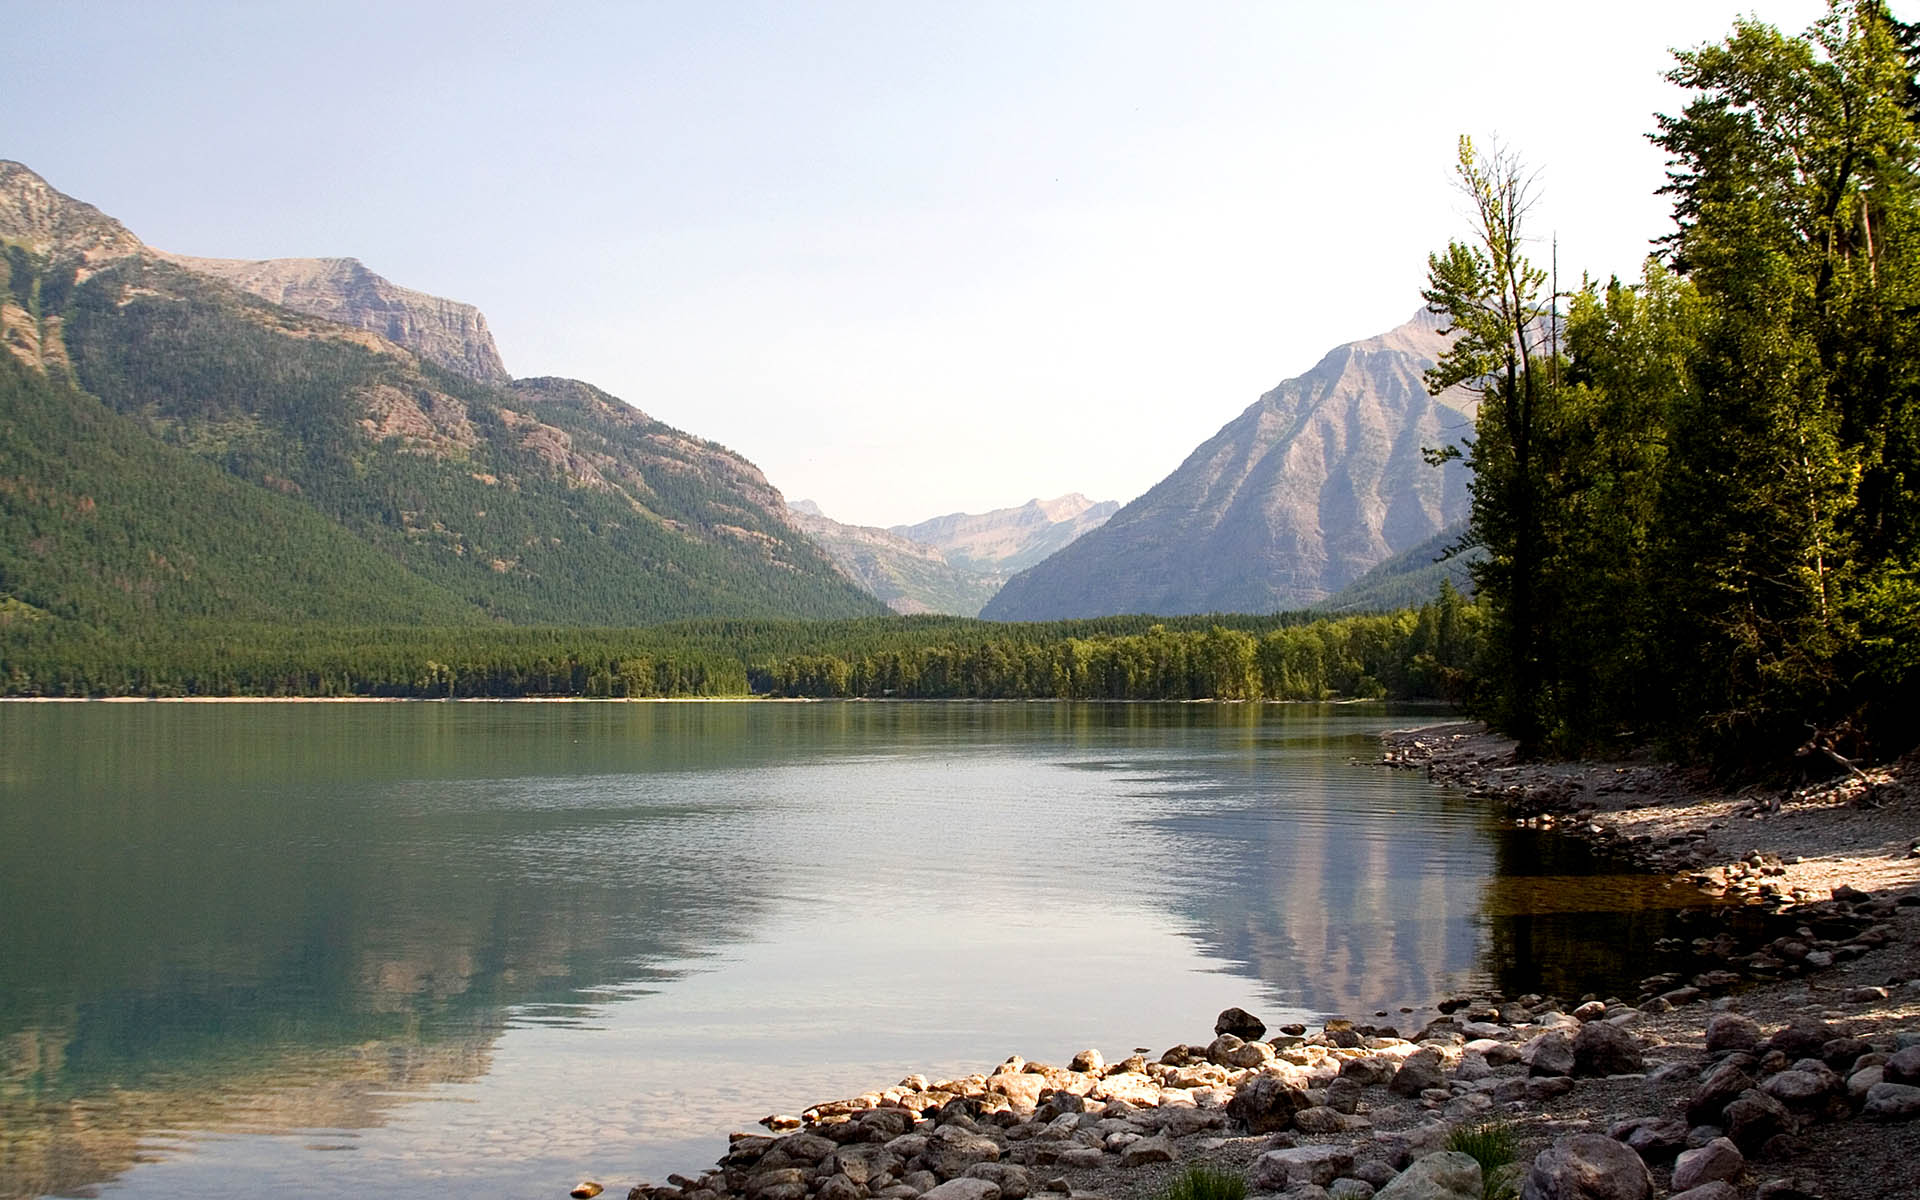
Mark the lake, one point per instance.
(371, 949)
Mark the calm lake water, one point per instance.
(375, 949)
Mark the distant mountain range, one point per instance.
(1318, 481)
(302, 440)
(955, 563)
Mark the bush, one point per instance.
(1204, 1183)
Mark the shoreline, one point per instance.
(1350, 1108)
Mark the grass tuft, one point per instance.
(1204, 1183)
(1490, 1145)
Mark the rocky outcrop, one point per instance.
(1006, 540)
(1316, 482)
(445, 332)
(45, 221)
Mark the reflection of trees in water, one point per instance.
(1564, 919)
(300, 923)
(1341, 908)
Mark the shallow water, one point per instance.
(369, 949)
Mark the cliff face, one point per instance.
(444, 332)
(45, 221)
(1313, 484)
(1011, 539)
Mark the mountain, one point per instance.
(952, 564)
(1317, 481)
(1011, 539)
(540, 501)
(444, 332)
(1410, 578)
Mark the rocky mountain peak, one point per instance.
(46, 221)
(444, 332)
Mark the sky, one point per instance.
(908, 257)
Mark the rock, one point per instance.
(1088, 1061)
(1862, 1081)
(1021, 1090)
(1808, 1092)
(1247, 1055)
(839, 1187)
(1082, 1156)
(1549, 1054)
(1801, 1039)
(1343, 1095)
(1719, 1189)
(1130, 1086)
(1655, 1139)
(1786, 1189)
(1374, 1171)
(1013, 1181)
(1368, 1070)
(1731, 1031)
(951, 1150)
(1447, 1175)
(1319, 1120)
(1893, 1101)
(1548, 1087)
(586, 1189)
(1281, 1170)
(1183, 1122)
(1148, 1150)
(1267, 1103)
(1592, 1010)
(780, 1183)
(1587, 1166)
(1420, 1071)
(964, 1189)
(1903, 1066)
(1718, 1159)
(1863, 995)
(1603, 1048)
(1241, 1024)
(1722, 1086)
(919, 1181)
(1404, 1147)
(1754, 1118)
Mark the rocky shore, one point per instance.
(1786, 1066)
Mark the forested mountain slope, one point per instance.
(545, 501)
(1316, 482)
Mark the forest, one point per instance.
(1415, 654)
(1697, 493)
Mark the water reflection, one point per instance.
(413, 931)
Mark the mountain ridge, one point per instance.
(1308, 487)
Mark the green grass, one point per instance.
(1204, 1183)
(1490, 1145)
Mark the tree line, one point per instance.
(1698, 493)
(1415, 654)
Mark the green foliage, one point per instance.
(1492, 1146)
(1711, 531)
(1205, 1183)
(1410, 655)
(547, 503)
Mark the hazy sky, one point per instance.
(910, 258)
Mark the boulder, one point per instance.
(1182, 1122)
(1903, 1066)
(1148, 1150)
(1731, 1031)
(1603, 1048)
(1319, 1120)
(1266, 1103)
(1551, 1053)
(1722, 1086)
(951, 1150)
(1893, 1101)
(839, 1187)
(1241, 1024)
(1283, 1170)
(1368, 1070)
(1448, 1175)
(1655, 1139)
(1809, 1091)
(1801, 1039)
(964, 1189)
(1022, 1091)
(1130, 1086)
(1755, 1118)
(1587, 1166)
(1013, 1181)
(1718, 1159)
(1420, 1071)
(1089, 1061)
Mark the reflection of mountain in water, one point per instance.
(224, 939)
